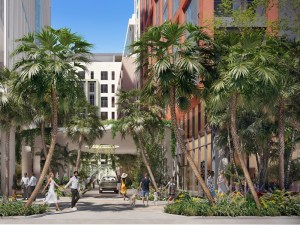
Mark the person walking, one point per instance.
(32, 184)
(211, 184)
(74, 182)
(171, 185)
(222, 183)
(123, 186)
(145, 187)
(51, 196)
(25, 186)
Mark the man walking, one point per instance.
(32, 184)
(145, 187)
(74, 182)
(24, 185)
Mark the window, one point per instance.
(104, 75)
(112, 101)
(104, 88)
(92, 74)
(92, 99)
(81, 75)
(104, 115)
(82, 85)
(91, 86)
(192, 12)
(104, 102)
(175, 6)
(113, 115)
(165, 10)
(112, 88)
(157, 7)
(113, 75)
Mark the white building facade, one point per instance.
(101, 82)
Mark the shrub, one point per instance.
(273, 204)
(17, 208)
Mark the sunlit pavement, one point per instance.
(110, 208)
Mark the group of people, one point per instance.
(221, 182)
(51, 197)
(28, 185)
(144, 188)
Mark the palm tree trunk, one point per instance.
(51, 149)
(281, 141)
(7, 157)
(145, 160)
(183, 148)
(262, 171)
(237, 144)
(43, 138)
(288, 168)
(79, 153)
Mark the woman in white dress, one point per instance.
(51, 196)
(222, 183)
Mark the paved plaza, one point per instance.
(109, 208)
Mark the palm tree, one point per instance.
(138, 119)
(85, 128)
(48, 66)
(245, 68)
(287, 62)
(172, 69)
(11, 115)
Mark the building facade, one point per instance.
(17, 18)
(101, 81)
(198, 137)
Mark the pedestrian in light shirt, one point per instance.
(74, 182)
(25, 186)
(32, 184)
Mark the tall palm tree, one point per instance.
(172, 68)
(244, 68)
(137, 119)
(48, 66)
(85, 128)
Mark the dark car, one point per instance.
(108, 183)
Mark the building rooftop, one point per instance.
(107, 57)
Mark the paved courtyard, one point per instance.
(109, 208)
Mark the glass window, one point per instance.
(192, 12)
(104, 75)
(81, 74)
(175, 6)
(157, 8)
(92, 99)
(165, 10)
(104, 102)
(113, 102)
(92, 74)
(104, 88)
(112, 88)
(113, 75)
(104, 115)
(113, 115)
(91, 86)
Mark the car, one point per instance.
(108, 183)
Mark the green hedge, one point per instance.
(275, 204)
(16, 208)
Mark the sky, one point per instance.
(101, 22)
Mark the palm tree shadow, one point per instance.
(87, 206)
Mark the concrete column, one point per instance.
(2, 149)
(37, 162)
(26, 160)
(12, 157)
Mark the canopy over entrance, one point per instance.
(118, 145)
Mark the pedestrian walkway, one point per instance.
(108, 208)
